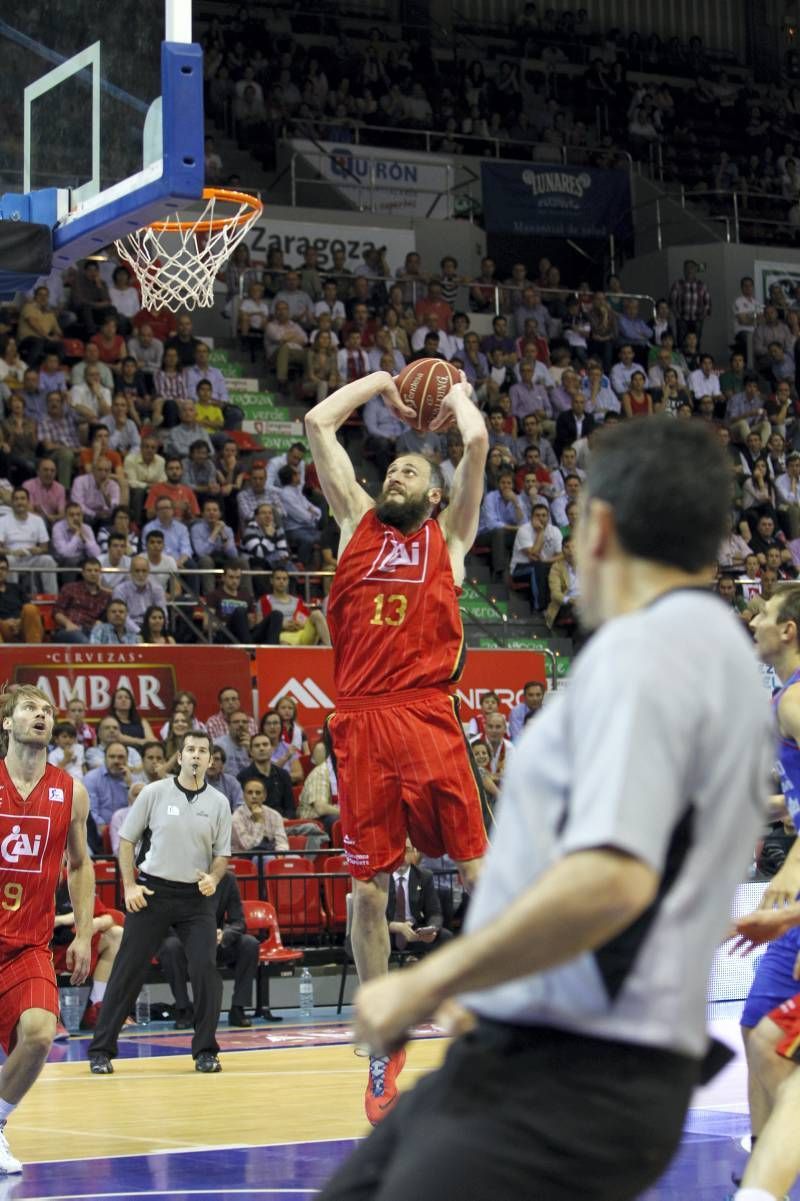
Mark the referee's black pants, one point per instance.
(529, 1114)
(194, 918)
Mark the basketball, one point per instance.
(424, 385)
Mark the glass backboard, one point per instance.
(102, 102)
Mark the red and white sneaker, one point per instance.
(381, 1095)
(62, 1034)
(90, 1015)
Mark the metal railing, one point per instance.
(741, 213)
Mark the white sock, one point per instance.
(753, 1194)
(98, 990)
(6, 1109)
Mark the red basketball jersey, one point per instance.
(33, 835)
(393, 611)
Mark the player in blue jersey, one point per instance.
(771, 1018)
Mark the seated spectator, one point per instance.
(483, 291)
(222, 780)
(229, 703)
(125, 299)
(528, 396)
(276, 782)
(231, 615)
(80, 605)
(101, 449)
(139, 592)
(321, 371)
(672, 395)
(498, 745)
(330, 304)
(72, 540)
(489, 703)
(236, 949)
(76, 714)
(769, 329)
(53, 376)
(97, 493)
(383, 428)
(623, 370)
(746, 411)
(119, 523)
(284, 342)
(203, 371)
(733, 380)
(298, 302)
(67, 752)
(533, 694)
(12, 367)
(154, 629)
(301, 517)
(24, 541)
(294, 457)
(256, 825)
(476, 366)
(764, 536)
(183, 341)
(38, 330)
(48, 498)
(503, 513)
(169, 386)
(163, 567)
(212, 541)
(705, 381)
(59, 435)
(20, 621)
(174, 532)
(778, 408)
(134, 731)
(200, 473)
(352, 361)
(110, 344)
(124, 435)
(301, 626)
(18, 438)
(106, 941)
(284, 753)
(187, 431)
(119, 815)
(32, 393)
(575, 423)
(108, 785)
(254, 492)
(144, 467)
(236, 743)
(480, 753)
(413, 908)
(319, 797)
(108, 732)
(637, 402)
(559, 505)
(254, 312)
(115, 629)
(537, 546)
(90, 400)
(89, 297)
(182, 496)
(264, 541)
(499, 339)
(564, 590)
(787, 489)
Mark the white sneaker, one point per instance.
(8, 1164)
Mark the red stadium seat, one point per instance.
(293, 888)
(105, 881)
(298, 842)
(260, 919)
(246, 873)
(335, 893)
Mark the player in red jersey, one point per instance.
(403, 765)
(42, 812)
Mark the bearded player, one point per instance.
(402, 762)
(43, 810)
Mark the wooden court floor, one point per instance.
(160, 1103)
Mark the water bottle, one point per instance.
(143, 1007)
(306, 994)
(71, 1008)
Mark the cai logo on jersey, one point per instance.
(23, 842)
(401, 562)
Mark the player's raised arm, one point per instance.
(460, 519)
(81, 886)
(344, 494)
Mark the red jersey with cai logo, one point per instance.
(393, 611)
(33, 835)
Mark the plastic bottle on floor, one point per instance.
(306, 994)
(143, 1007)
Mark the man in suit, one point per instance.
(413, 910)
(235, 948)
(572, 424)
(563, 588)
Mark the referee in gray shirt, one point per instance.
(184, 828)
(627, 818)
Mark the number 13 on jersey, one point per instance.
(389, 610)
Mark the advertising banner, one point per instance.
(153, 673)
(765, 274)
(394, 182)
(555, 201)
(306, 674)
(295, 237)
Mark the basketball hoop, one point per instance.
(177, 260)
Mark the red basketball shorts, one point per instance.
(404, 769)
(60, 955)
(787, 1017)
(27, 981)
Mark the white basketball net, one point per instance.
(176, 267)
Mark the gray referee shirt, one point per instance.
(660, 747)
(185, 834)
